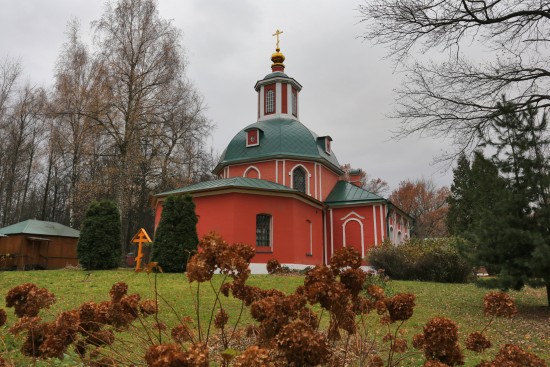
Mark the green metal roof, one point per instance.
(345, 193)
(39, 227)
(235, 182)
(280, 138)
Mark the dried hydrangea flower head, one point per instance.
(477, 342)
(499, 304)
(440, 341)
(400, 307)
(27, 299)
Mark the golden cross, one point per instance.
(140, 238)
(277, 33)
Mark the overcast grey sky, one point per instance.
(347, 85)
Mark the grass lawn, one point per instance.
(530, 328)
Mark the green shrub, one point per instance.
(436, 260)
(176, 236)
(99, 243)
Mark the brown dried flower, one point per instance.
(253, 356)
(346, 257)
(199, 269)
(164, 355)
(375, 361)
(441, 341)
(181, 333)
(88, 314)
(27, 299)
(511, 355)
(221, 319)
(477, 342)
(353, 280)
(418, 341)
(118, 290)
(376, 292)
(499, 304)
(273, 266)
(302, 346)
(401, 306)
(148, 307)
(399, 346)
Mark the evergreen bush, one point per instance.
(436, 260)
(99, 243)
(176, 236)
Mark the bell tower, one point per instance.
(277, 92)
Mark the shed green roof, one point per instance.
(40, 228)
(235, 182)
(345, 193)
(279, 138)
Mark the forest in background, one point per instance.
(120, 122)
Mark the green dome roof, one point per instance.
(279, 138)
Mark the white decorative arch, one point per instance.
(352, 213)
(291, 174)
(362, 234)
(252, 168)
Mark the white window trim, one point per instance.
(327, 145)
(291, 174)
(252, 168)
(270, 232)
(257, 137)
(362, 234)
(352, 213)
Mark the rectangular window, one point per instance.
(270, 99)
(263, 230)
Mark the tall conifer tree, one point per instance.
(513, 231)
(459, 216)
(99, 242)
(176, 237)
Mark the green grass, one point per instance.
(461, 302)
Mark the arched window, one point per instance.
(299, 179)
(270, 101)
(263, 230)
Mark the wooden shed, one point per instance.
(35, 244)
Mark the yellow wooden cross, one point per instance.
(277, 33)
(140, 238)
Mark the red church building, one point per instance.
(281, 189)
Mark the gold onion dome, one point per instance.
(277, 58)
